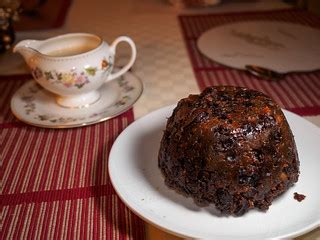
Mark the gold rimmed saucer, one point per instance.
(35, 106)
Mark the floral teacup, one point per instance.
(73, 66)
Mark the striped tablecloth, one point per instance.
(55, 183)
(298, 92)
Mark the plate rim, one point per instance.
(134, 207)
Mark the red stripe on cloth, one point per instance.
(57, 161)
(27, 165)
(19, 225)
(306, 91)
(49, 159)
(293, 14)
(81, 150)
(55, 195)
(35, 173)
(312, 83)
(8, 216)
(13, 125)
(66, 173)
(13, 157)
(60, 218)
(7, 89)
(72, 219)
(306, 111)
(9, 137)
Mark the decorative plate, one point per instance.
(134, 172)
(280, 46)
(34, 105)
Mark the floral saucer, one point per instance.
(34, 105)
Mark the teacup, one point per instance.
(73, 66)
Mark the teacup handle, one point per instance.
(131, 61)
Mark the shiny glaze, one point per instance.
(229, 146)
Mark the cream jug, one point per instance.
(73, 66)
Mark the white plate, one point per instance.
(35, 106)
(134, 172)
(280, 46)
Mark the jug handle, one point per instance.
(131, 61)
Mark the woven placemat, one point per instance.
(55, 183)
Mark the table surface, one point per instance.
(162, 62)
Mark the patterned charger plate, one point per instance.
(280, 46)
(34, 105)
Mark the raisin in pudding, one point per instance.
(231, 147)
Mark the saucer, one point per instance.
(34, 105)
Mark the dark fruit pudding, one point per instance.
(231, 147)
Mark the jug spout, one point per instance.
(27, 48)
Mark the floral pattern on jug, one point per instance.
(73, 78)
(125, 86)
